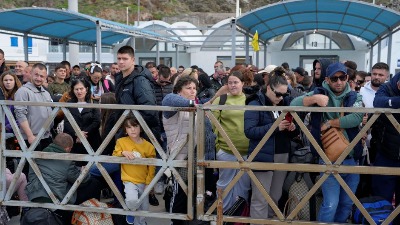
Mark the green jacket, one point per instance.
(58, 89)
(348, 121)
(58, 174)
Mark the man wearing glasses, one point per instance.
(335, 92)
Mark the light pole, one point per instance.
(237, 9)
(138, 13)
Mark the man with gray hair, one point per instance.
(19, 69)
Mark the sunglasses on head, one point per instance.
(335, 79)
(278, 94)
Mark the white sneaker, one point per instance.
(159, 188)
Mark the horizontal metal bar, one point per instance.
(97, 209)
(97, 106)
(299, 109)
(300, 167)
(100, 158)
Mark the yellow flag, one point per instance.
(254, 43)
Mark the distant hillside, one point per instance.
(115, 10)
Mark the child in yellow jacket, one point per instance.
(135, 177)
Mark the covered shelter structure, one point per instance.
(67, 26)
(369, 22)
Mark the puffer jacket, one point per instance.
(257, 124)
(138, 89)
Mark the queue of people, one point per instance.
(331, 85)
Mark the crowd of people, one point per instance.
(330, 84)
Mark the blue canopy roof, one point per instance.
(367, 21)
(67, 25)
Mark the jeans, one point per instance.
(337, 205)
(114, 170)
(241, 188)
(387, 185)
(133, 192)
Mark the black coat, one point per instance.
(88, 120)
(138, 89)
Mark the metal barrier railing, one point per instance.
(93, 157)
(245, 166)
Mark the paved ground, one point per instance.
(150, 221)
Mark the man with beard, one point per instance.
(379, 74)
(335, 92)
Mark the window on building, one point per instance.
(318, 40)
(14, 41)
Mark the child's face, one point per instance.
(133, 131)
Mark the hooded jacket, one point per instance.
(35, 115)
(368, 95)
(324, 64)
(349, 122)
(138, 89)
(388, 96)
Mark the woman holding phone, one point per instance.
(276, 149)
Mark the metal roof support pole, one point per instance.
(265, 55)
(176, 56)
(26, 47)
(389, 53)
(379, 51)
(3, 186)
(258, 58)
(247, 43)
(132, 42)
(157, 53)
(371, 57)
(64, 50)
(233, 26)
(93, 53)
(98, 41)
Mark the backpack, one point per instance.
(297, 184)
(92, 218)
(40, 216)
(377, 207)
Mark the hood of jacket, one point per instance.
(54, 148)
(393, 84)
(324, 64)
(138, 71)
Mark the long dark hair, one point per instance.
(278, 77)
(9, 94)
(106, 98)
(85, 84)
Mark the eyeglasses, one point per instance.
(278, 94)
(335, 79)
